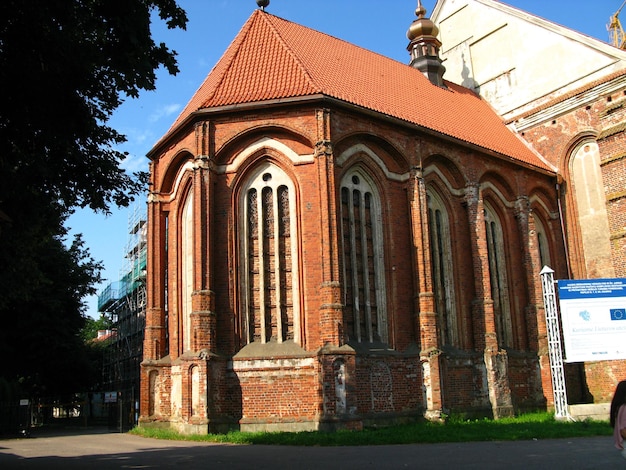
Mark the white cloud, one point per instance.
(164, 111)
(134, 163)
(139, 137)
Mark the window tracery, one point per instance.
(443, 270)
(270, 293)
(498, 277)
(365, 317)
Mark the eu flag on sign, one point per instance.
(618, 313)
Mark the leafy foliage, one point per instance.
(65, 66)
(40, 332)
(68, 66)
(89, 332)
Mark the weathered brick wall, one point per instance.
(613, 148)
(465, 391)
(525, 382)
(465, 387)
(278, 393)
(602, 378)
(612, 143)
(155, 393)
(388, 384)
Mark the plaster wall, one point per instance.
(509, 56)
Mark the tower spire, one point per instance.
(424, 47)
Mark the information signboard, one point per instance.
(593, 316)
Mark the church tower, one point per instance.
(424, 47)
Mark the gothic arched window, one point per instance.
(443, 271)
(365, 315)
(498, 277)
(269, 274)
(186, 269)
(592, 215)
(542, 240)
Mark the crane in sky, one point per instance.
(617, 37)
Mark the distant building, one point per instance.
(105, 335)
(565, 93)
(337, 239)
(124, 302)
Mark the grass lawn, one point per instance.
(455, 429)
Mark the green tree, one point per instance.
(41, 334)
(89, 332)
(65, 66)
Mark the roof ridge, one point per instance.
(291, 52)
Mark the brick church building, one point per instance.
(337, 239)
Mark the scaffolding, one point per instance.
(124, 303)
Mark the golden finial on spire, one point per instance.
(420, 11)
(422, 26)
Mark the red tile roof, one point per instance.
(272, 58)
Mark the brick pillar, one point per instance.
(203, 321)
(202, 317)
(538, 334)
(482, 308)
(155, 329)
(331, 312)
(426, 327)
(155, 332)
(527, 328)
(495, 361)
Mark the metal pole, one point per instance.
(554, 344)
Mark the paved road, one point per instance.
(96, 449)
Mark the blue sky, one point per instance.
(373, 24)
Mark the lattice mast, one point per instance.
(554, 344)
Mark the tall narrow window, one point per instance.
(498, 277)
(164, 349)
(365, 317)
(443, 276)
(544, 252)
(270, 275)
(592, 215)
(186, 269)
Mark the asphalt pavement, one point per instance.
(97, 448)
